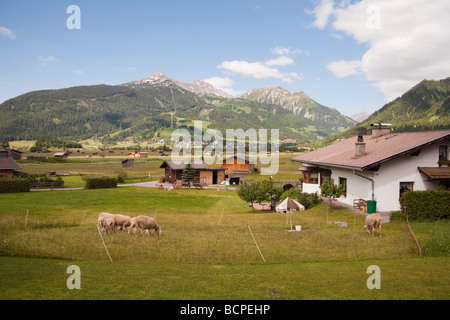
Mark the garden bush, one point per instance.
(99, 183)
(14, 185)
(428, 205)
(308, 200)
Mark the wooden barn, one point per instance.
(15, 154)
(238, 167)
(8, 165)
(128, 163)
(61, 155)
(204, 175)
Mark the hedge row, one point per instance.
(429, 205)
(103, 182)
(14, 185)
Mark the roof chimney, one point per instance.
(380, 129)
(360, 146)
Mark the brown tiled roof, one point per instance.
(378, 150)
(8, 163)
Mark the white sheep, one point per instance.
(106, 222)
(373, 221)
(121, 221)
(133, 225)
(147, 223)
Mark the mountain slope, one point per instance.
(196, 86)
(138, 109)
(426, 106)
(327, 120)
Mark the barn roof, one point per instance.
(8, 163)
(181, 166)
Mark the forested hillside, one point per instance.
(115, 113)
(426, 106)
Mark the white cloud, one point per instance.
(79, 72)
(286, 51)
(232, 92)
(224, 84)
(280, 61)
(5, 32)
(322, 13)
(220, 82)
(44, 60)
(258, 70)
(343, 68)
(408, 41)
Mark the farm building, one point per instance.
(238, 167)
(8, 165)
(61, 155)
(128, 163)
(204, 175)
(381, 166)
(138, 154)
(15, 154)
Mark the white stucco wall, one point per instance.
(386, 180)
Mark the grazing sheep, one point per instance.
(106, 222)
(373, 221)
(133, 225)
(147, 223)
(122, 221)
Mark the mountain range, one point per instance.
(141, 109)
(146, 108)
(196, 86)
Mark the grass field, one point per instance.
(206, 250)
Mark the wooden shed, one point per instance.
(128, 163)
(204, 175)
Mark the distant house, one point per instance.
(380, 166)
(138, 154)
(204, 175)
(61, 155)
(128, 163)
(8, 165)
(238, 167)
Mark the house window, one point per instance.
(314, 177)
(323, 176)
(343, 183)
(311, 177)
(443, 153)
(406, 186)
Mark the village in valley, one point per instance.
(119, 182)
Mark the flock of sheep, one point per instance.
(108, 223)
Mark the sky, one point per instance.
(353, 56)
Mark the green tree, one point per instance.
(258, 191)
(247, 192)
(331, 191)
(188, 175)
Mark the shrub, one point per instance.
(429, 205)
(14, 185)
(99, 183)
(308, 200)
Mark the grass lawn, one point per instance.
(206, 250)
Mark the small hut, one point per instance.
(128, 163)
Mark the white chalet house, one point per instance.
(380, 166)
